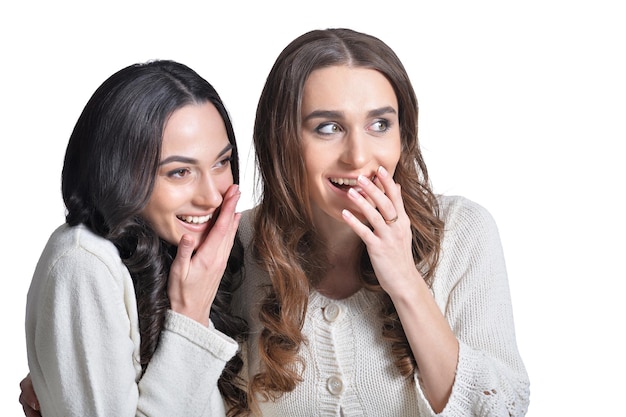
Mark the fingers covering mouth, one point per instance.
(346, 182)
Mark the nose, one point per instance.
(207, 193)
(356, 151)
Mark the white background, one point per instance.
(522, 108)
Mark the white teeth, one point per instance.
(344, 181)
(196, 219)
(347, 181)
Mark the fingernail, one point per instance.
(362, 179)
(382, 172)
(353, 192)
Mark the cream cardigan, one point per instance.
(83, 340)
(348, 371)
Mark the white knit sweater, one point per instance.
(83, 340)
(348, 368)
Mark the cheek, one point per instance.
(160, 204)
(311, 151)
(153, 213)
(393, 156)
(222, 182)
(393, 161)
(314, 159)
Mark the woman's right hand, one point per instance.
(195, 277)
(28, 398)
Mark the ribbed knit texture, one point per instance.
(349, 368)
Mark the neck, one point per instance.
(343, 248)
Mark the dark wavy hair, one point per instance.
(285, 241)
(109, 172)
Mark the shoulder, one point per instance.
(248, 296)
(470, 232)
(471, 254)
(78, 249)
(246, 227)
(78, 265)
(464, 217)
(76, 239)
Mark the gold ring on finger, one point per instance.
(391, 220)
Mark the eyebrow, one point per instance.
(187, 160)
(381, 111)
(332, 114)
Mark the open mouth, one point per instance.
(195, 219)
(346, 183)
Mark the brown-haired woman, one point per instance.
(366, 293)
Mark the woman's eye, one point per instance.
(328, 128)
(379, 126)
(178, 173)
(223, 162)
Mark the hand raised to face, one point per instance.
(195, 275)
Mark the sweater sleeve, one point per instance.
(82, 339)
(183, 373)
(471, 288)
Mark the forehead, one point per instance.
(339, 86)
(193, 126)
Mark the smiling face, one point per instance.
(194, 174)
(350, 126)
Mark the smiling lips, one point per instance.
(345, 183)
(196, 219)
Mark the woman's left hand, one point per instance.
(388, 237)
(28, 399)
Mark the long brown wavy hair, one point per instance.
(285, 241)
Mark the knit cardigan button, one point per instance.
(334, 385)
(332, 312)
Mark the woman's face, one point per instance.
(350, 127)
(194, 174)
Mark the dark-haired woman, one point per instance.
(148, 180)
